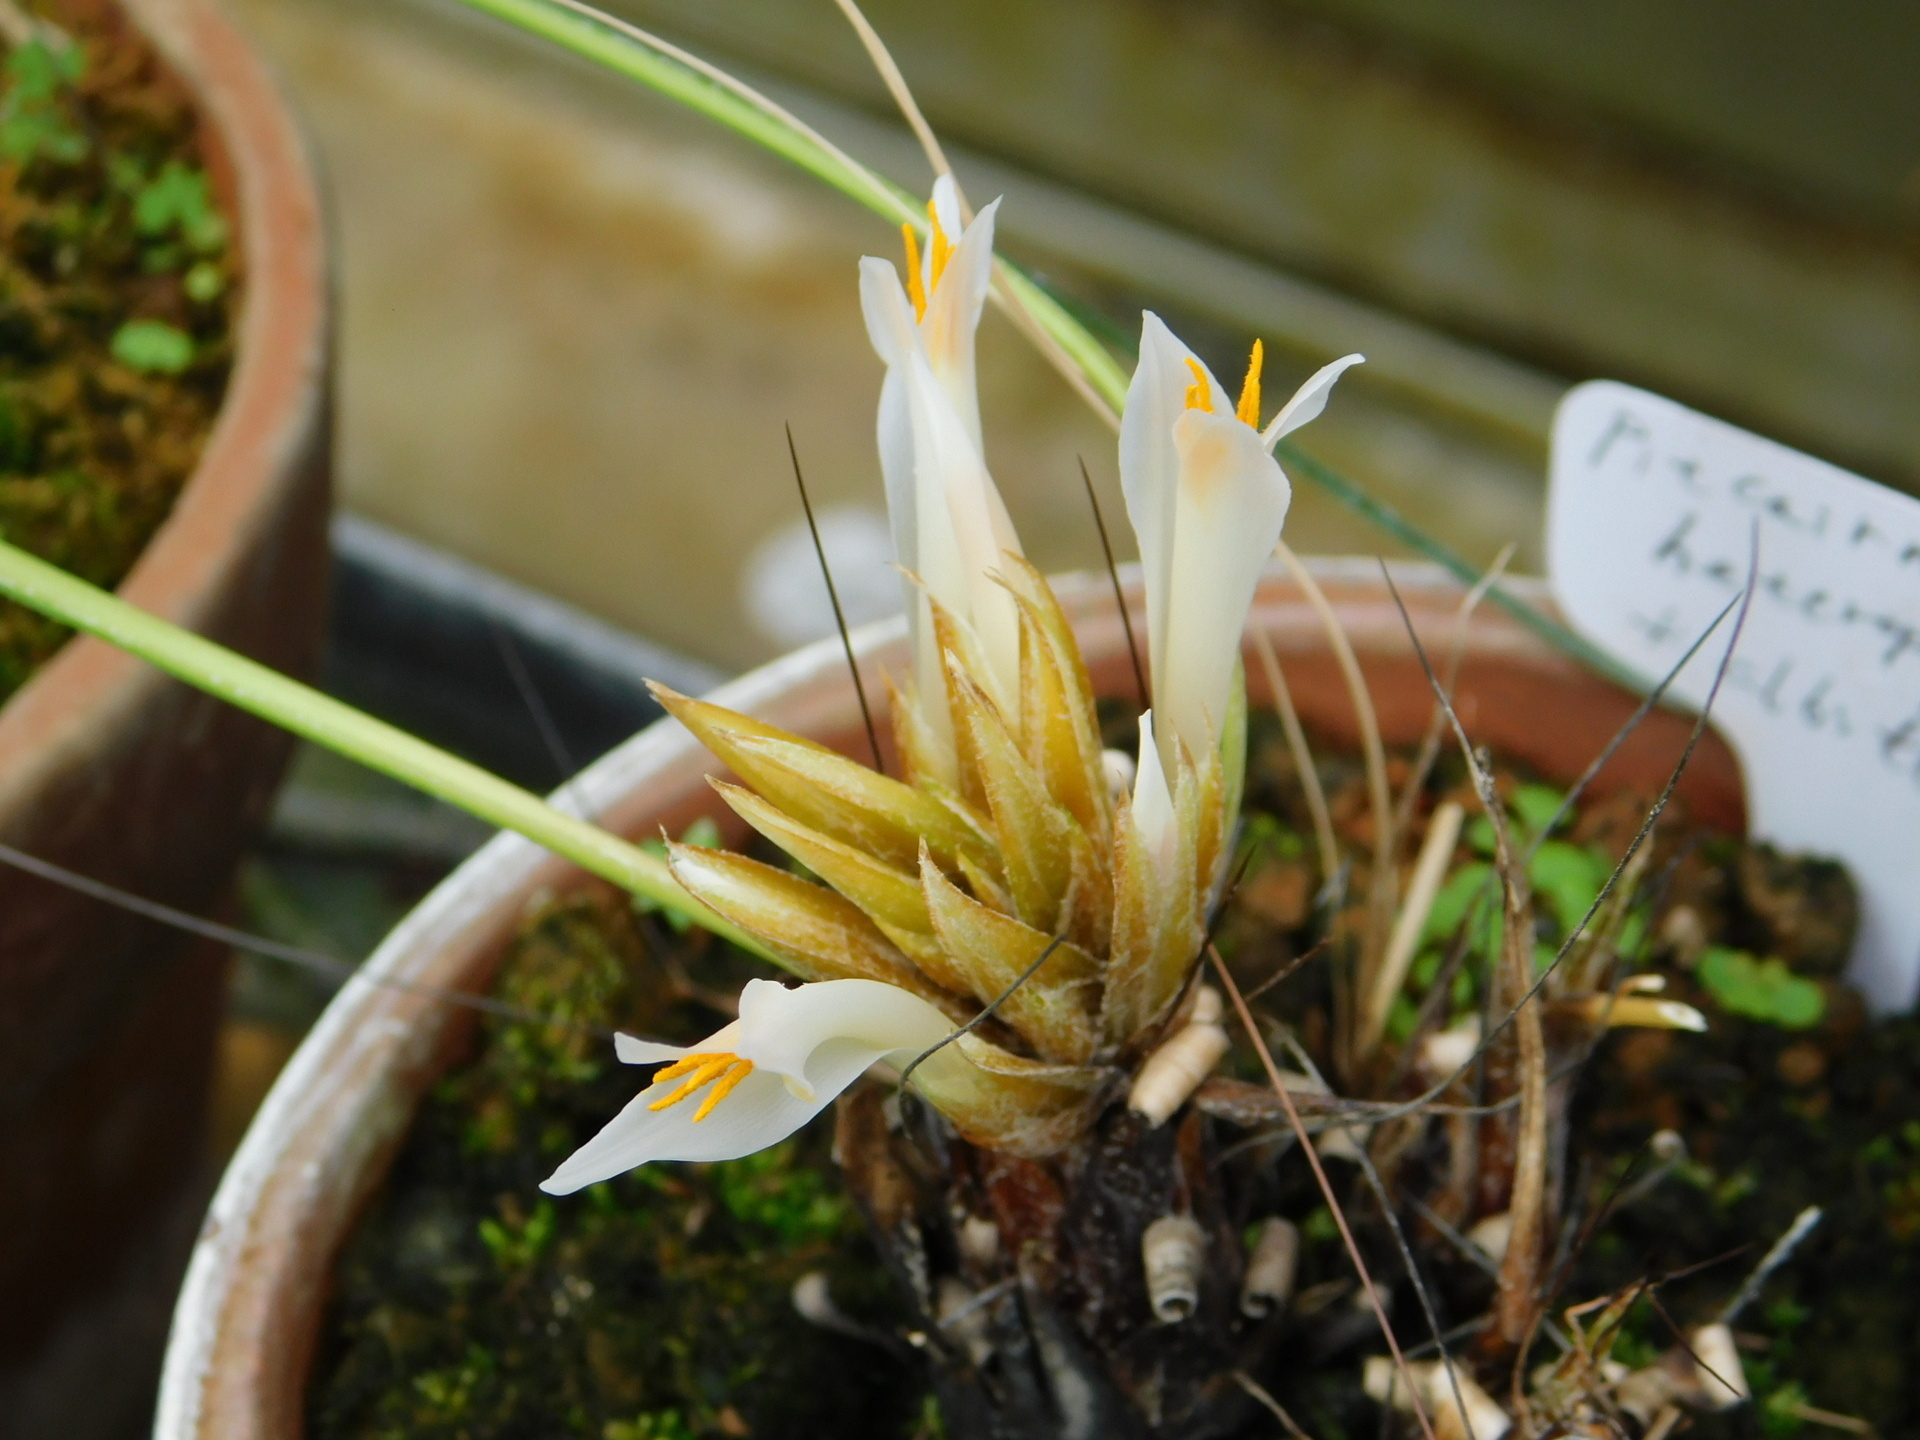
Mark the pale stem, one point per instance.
(1320, 1176)
(628, 50)
(902, 94)
(1456, 648)
(1302, 756)
(1380, 910)
(251, 686)
(1429, 872)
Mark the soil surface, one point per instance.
(660, 1304)
(117, 297)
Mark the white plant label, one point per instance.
(1652, 516)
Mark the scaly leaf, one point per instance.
(813, 932)
(891, 898)
(1156, 929)
(1005, 1102)
(1052, 1010)
(825, 791)
(1034, 833)
(1059, 726)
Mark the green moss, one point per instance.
(115, 311)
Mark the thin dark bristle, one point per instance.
(327, 966)
(550, 736)
(1113, 574)
(839, 619)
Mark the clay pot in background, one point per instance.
(249, 1315)
(107, 1023)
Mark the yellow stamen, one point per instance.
(1200, 392)
(1248, 410)
(741, 1069)
(940, 246)
(728, 1070)
(686, 1063)
(916, 291)
(694, 1081)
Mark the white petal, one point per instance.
(1231, 503)
(811, 1033)
(946, 204)
(963, 533)
(888, 312)
(760, 1111)
(634, 1051)
(953, 315)
(1150, 463)
(894, 432)
(1309, 400)
(807, 1044)
(1152, 807)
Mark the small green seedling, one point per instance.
(152, 347)
(33, 124)
(177, 203)
(1761, 989)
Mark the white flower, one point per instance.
(757, 1080)
(1152, 808)
(950, 526)
(1207, 501)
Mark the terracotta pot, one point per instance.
(107, 1024)
(245, 1328)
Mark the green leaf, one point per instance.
(1569, 878)
(320, 718)
(1761, 989)
(1780, 1412)
(204, 282)
(177, 201)
(31, 122)
(39, 71)
(1460, 891)
(152, 347)
(1535, 805)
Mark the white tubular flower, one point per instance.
(1207, 501)
(1152, 810)
(760, 1078)
(950, 526)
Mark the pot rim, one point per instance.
(275, 408)
(322, 1139)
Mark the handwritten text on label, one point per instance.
(1651, 522)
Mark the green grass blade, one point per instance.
(625, 51)
(320, 718)
(1390, 520)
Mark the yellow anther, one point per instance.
(728, 1070)
(1200, 392)
(1248, 410)
(686, 1063)
(940, 247)
(741, 1069)
(916, 291)
(707, 1071)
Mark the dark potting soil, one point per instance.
(117, 295)
(659, 1304)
